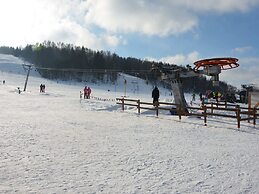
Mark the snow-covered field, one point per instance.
(57, 143)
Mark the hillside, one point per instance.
(68, 62)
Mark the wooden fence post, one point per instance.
(122, 100)
(238, 116)
(138, 106)
(180, 111)
(211, 108)
(254, 115)
(156, 106)
(205, 115)
(225, 103)
(249, 115)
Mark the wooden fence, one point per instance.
(207, 109)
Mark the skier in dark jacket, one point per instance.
(155, 95)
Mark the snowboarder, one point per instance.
(155, 95)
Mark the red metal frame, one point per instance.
(224, 63)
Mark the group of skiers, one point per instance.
(209, 94)
(215, 95)
(87, 92)
(42, 88)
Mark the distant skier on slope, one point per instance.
(43, 88)
(85, 92)
(88, 92)
(40, 88)
(80, 94)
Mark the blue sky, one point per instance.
(174, 31)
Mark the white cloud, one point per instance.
(151, 18)
(156, 17)
(242, 49)
(113, 40)
(74, 21)
(218, 6)
(31, 21)
(178, 59)
(246, 73)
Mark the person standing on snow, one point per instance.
(88, 92)
(85, 92)
(41, 86)
(155, 95)
(80, 94)
(200, 96)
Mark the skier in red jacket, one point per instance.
(85, 92)
(88, 92)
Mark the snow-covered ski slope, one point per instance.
(57, 143)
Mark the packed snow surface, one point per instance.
(54, 142)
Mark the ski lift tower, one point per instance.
(212, 67)
(27, 77)
(173, 75)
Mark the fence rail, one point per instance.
(207, 109)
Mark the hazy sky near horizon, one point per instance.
(173, 31)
